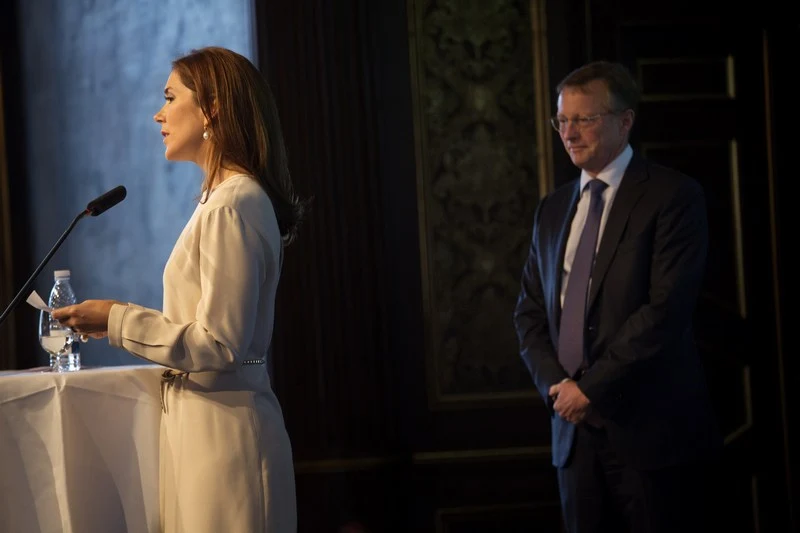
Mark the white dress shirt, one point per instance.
(612, 176)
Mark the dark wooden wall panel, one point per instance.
(346, 306)
(331, 316)
(781, 134)
(707, 110)
(18, 342)
(403, 414)
(351, 366)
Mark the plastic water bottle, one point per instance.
(58, 340)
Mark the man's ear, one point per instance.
(628, 117)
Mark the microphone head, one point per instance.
(106, 201)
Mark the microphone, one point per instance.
(106, 200)
(96, 207)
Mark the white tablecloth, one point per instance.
(79, 450)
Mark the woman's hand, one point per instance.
(89, 317)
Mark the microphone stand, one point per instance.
(23, 292)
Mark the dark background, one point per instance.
(417, 128)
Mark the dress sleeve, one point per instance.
(233, 259)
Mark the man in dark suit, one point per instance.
(604, 320)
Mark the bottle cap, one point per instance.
(61, 274)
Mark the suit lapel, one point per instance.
(630, 190)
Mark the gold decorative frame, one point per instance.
(544, 166)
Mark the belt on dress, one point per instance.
(168, 380)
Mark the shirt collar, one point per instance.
(612, 174)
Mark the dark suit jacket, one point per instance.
(644, 376)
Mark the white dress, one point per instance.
(226, 459)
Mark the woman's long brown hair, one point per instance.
(244, 127)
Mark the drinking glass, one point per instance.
(56, 339)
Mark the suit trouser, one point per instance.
(600, 494)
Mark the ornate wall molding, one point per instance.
(482, 164)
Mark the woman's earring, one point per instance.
(205, 135)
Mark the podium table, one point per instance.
(79, 450)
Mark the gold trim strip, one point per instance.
(731, 74)
(420, 142)
(333, 466)
(470, 456)
(773, 242)
(336, 466)
(541, 96)
(736, 201)
(748, 409)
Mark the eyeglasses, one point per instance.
(560, 123)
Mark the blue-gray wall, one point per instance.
(93, 77)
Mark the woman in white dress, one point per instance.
(226, 459)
